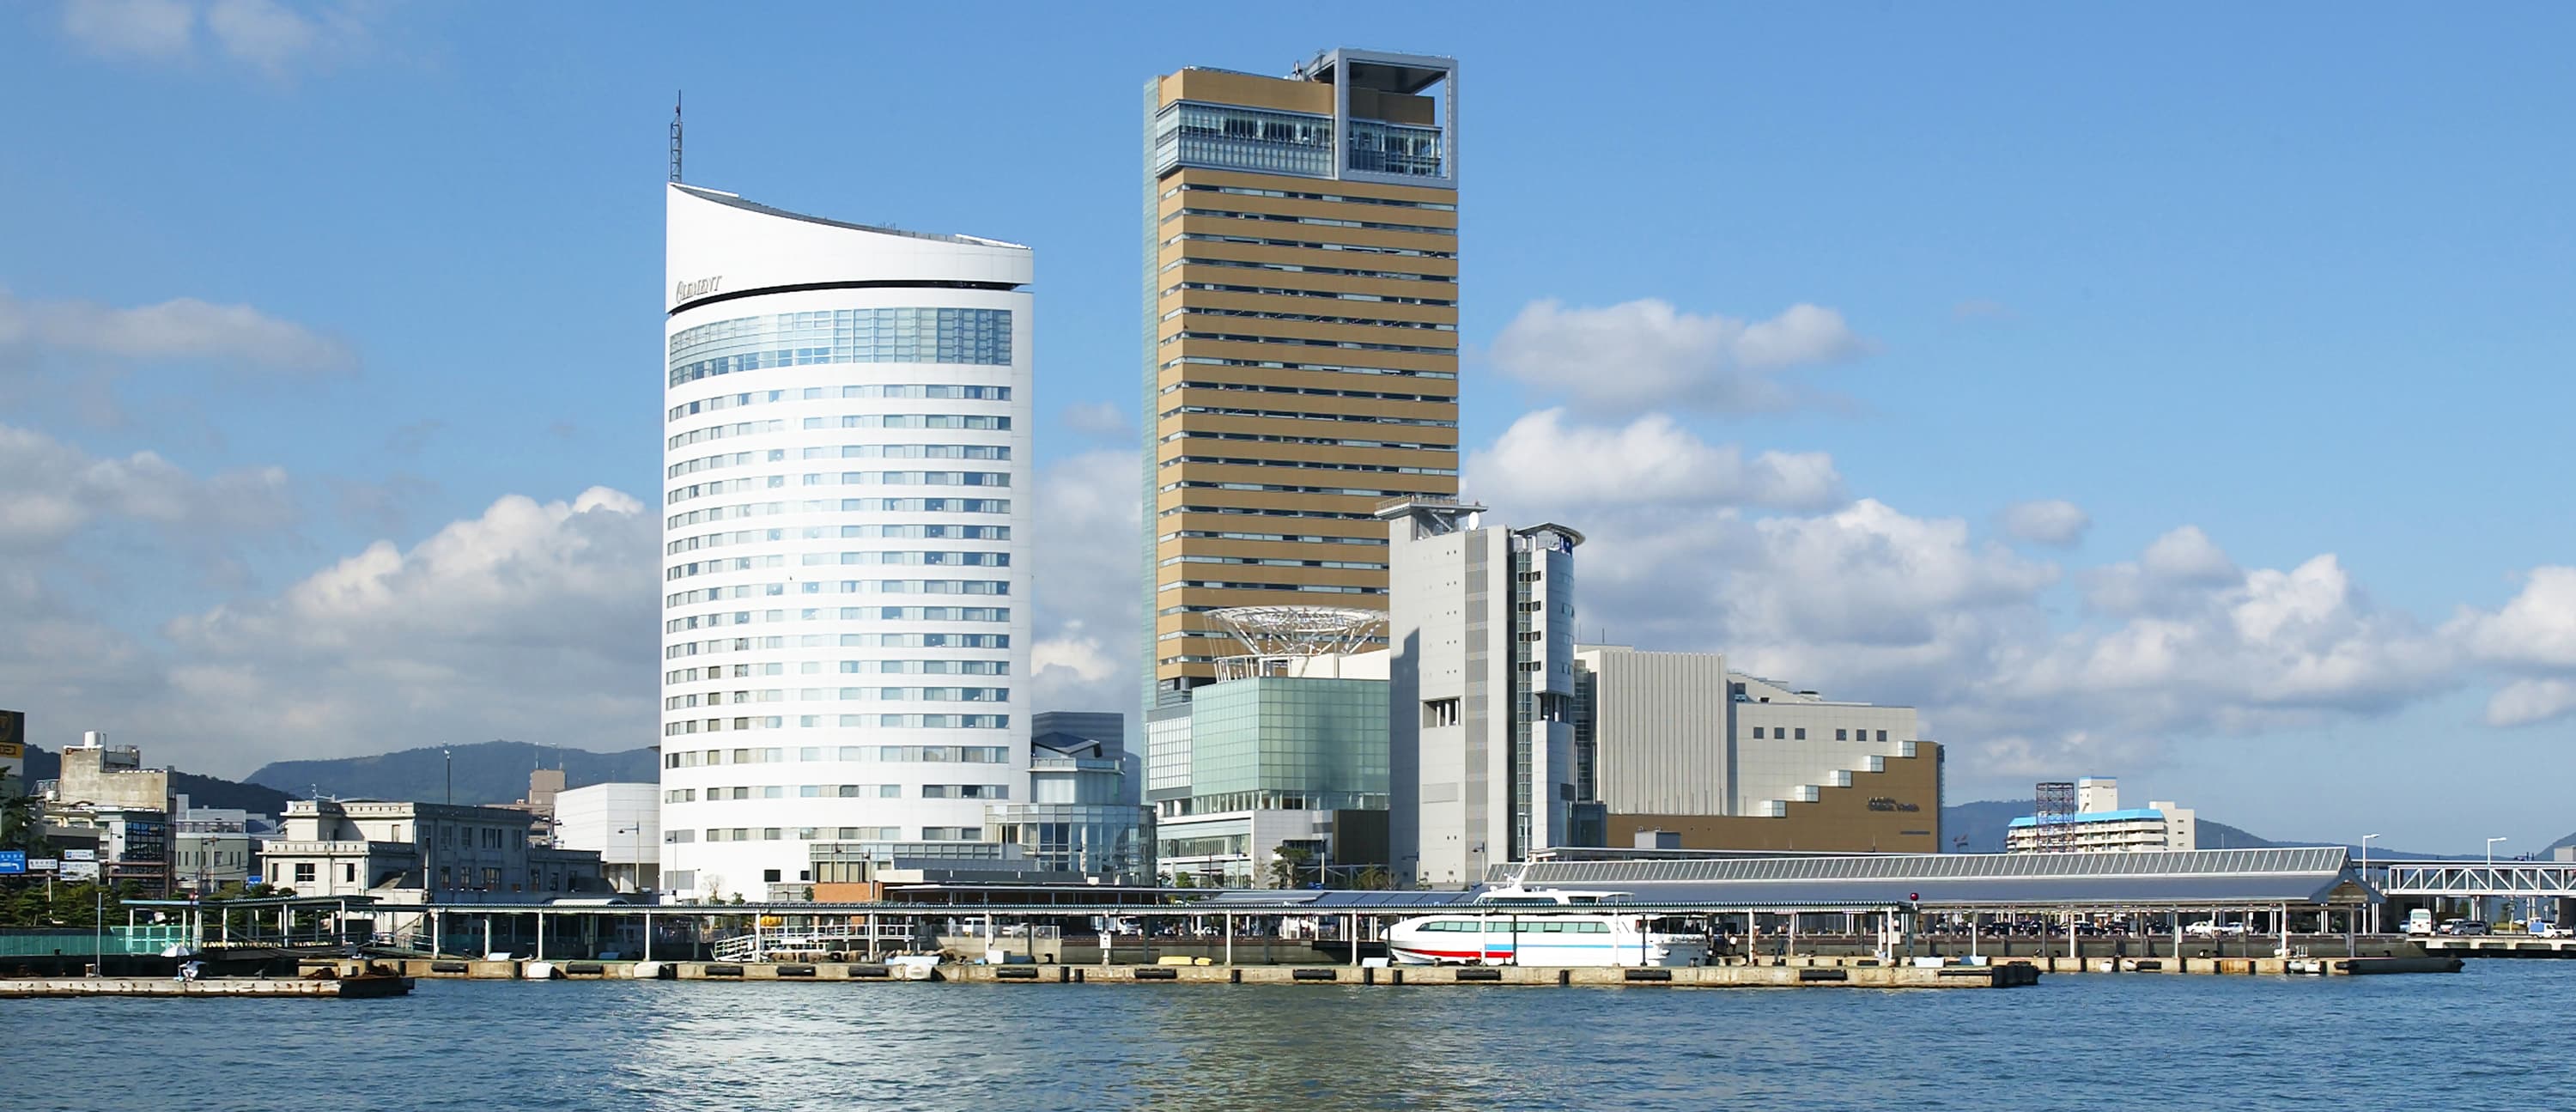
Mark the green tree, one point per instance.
(1374, 878)
(1287, 865)
(21, 823)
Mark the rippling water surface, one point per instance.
(2496, 1036)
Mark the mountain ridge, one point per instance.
(482, 772)
(1984, 821)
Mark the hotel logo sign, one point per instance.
(683, 291)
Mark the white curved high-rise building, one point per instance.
(845, 621)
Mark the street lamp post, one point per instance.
(630, 832)
(2491, 877)
(2365, 879)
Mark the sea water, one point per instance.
(2496, 1036)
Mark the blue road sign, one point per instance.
(13, 862)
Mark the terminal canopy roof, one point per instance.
(2184, 879)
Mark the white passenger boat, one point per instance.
(1514, 925)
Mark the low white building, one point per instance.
(620, 822)
(2101, 825)
(387, 849)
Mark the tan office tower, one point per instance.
(1301, 331)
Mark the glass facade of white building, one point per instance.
(846, 465)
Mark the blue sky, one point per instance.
(2292, 278)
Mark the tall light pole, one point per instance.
(638, 866)
(2491, 860)
(2365, 879)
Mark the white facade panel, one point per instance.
(1790, 744)
(846, 481)
(1478, 617)
(1661, 724)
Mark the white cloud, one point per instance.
(2053, 522)
(1871, 603)
(2529, 702)
(1099, 421)
(2187, 555)
(2533, 635)
(1085, 577)
(158, 29)
(2536, 628)
(265, 34)
(2268, 647)
(1647, 355)
(1546, 459)
(182, 328)
(2057, 756)
(2170, 576)
(261, 32)
(533, 620)
(56, 490)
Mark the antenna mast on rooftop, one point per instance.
(675, 137)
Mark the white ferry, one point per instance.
(1538, 926)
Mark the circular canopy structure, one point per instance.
(1270, 632)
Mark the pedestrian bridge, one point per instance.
(2475, 878)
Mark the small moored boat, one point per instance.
(1514, 925)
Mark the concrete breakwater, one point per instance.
(1812, 971)
(351, 988)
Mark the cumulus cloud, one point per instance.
(57, 490)
(2172, 574)
(2053, 522)
(2262, 648)
(1645, 355)
(2532, 636)
(2529, 702)
(1090, 601)
(183, 328)
(1868, 602)
(533, 620)
(2536, 628)
(265, 34)
(1546, 458)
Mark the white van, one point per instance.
(2420, 921)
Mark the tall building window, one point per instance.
(1235, 138)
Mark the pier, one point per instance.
(1893, 920)
(1799, 971)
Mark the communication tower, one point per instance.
(2053, 830)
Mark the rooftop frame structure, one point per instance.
(1276, 636)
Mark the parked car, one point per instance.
(2465, 927)
(2207, 929)
(2551, 930)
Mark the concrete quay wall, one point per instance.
(1810, 970)
(1704, 976)
(228, 986)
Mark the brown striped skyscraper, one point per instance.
(1301, 330)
